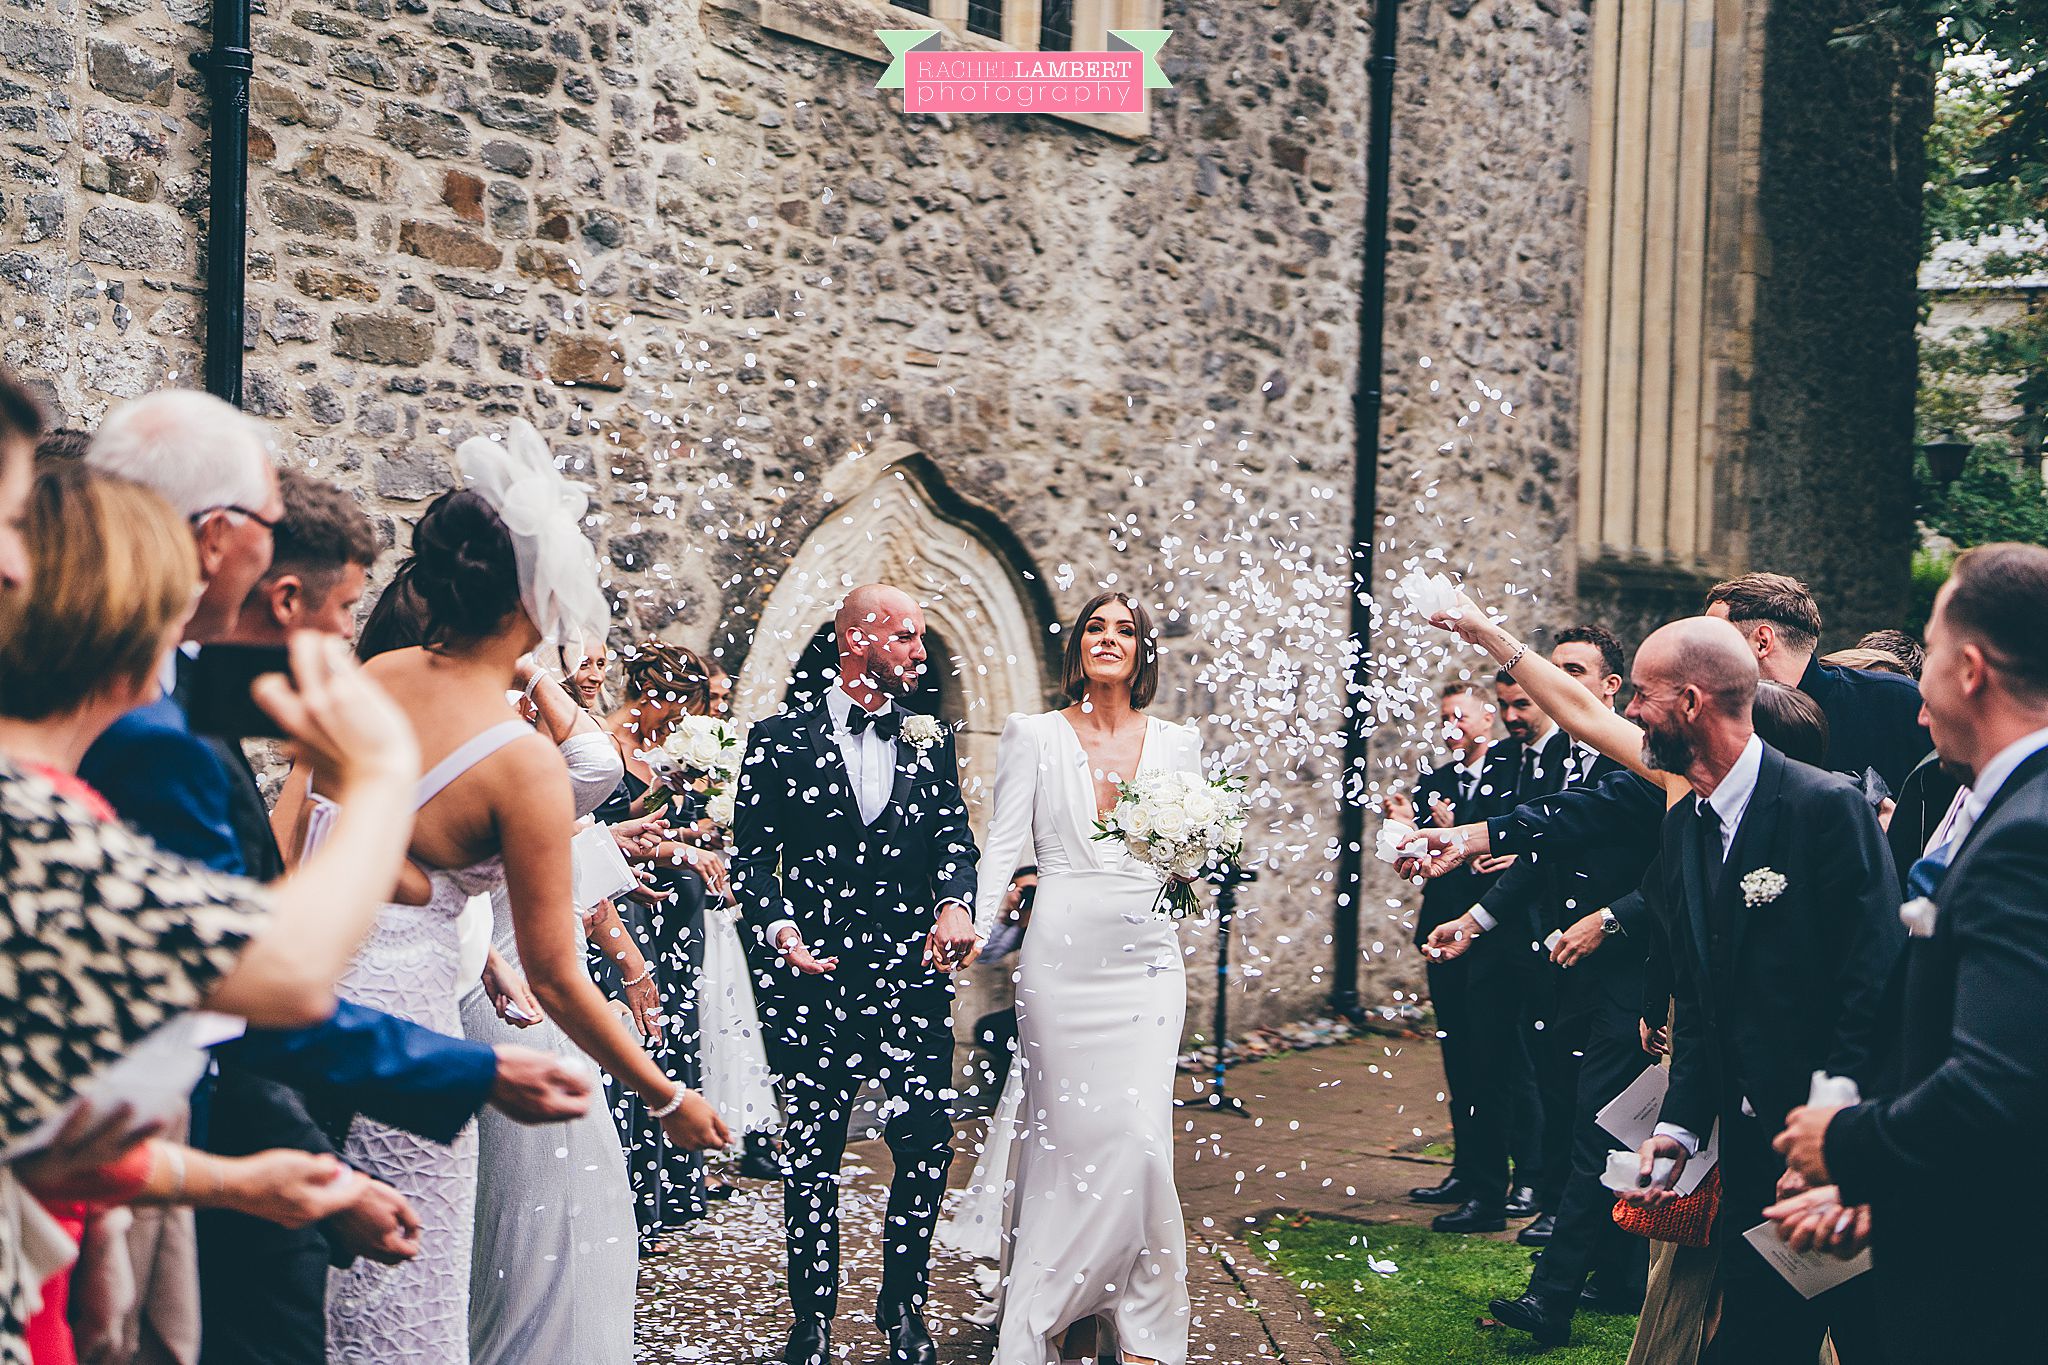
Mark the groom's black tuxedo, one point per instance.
(1772, 984)
(867, 894)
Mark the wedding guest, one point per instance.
(1900, 646)
(114, 576)
(1866, 660)
(1873, 718)
(1956, 1273)
(664, 683)
(586, 680)
(263, 1289)
(1463, 788)
(496, 808)
(1760, 1007)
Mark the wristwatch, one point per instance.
(1608, 923)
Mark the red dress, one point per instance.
(49, 1331)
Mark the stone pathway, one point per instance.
(1340, 1130)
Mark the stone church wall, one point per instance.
(715, 266)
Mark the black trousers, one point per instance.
(1496, 1113)
(825, 1042)
(1764, 1321)
(1586, 1241)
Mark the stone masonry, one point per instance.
(712, 263)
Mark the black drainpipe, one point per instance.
(227, 68)
(1372, 318)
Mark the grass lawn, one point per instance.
(1428, 1307)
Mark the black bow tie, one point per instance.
(888, 724)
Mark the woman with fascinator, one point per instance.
(498, 566)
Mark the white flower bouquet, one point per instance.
(1180, 825)
(700, 749)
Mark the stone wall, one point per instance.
(715, 266)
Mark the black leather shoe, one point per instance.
(1539, 1232)
(909, 1343)
(810, 1342)
(1521, 1202)
(1471, 1216)
(1598, 1298)
(1530, 1314)
(1450, 1190)
(759, 1161)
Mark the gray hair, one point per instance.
(198, 452)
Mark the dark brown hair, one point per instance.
(322, 533)
(1144, 681)
(658, 671)
(1998, 595)
(1783, 601)
(1611, 652)
(1791, 722)
(1900, 646)
(21, 416)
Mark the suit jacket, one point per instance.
(1873, 720)
(864, 894)
(1451, 895)
(1768, 994)
(1972, 1063)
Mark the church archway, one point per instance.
(986, 615)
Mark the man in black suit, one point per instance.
(1954, 1214)
(855, 866)
(1479, 775)
(1783, 927)
(1873, 718)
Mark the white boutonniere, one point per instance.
(1762, 886)
(1919, 916)
(920, 732)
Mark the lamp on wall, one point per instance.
(1946, 458)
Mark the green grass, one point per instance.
(1428, 1308)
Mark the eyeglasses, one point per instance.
(267, 523)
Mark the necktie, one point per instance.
(1710, 836)
(1924, 877)
(888, 724)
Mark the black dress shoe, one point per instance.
(909, 1343)
(810, 1342)
(1521, 1202)
(1598, 1298)
(1539, 1232)
(759, 1161)
(1450, 1190)
(1534, 1316)
(1471, 1216)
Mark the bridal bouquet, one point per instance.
(700, 748)
(1180, 825)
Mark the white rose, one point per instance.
(1202, 806)
(1133, 819)
(719, 810)
(1170, 822)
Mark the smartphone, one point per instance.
(215, 683)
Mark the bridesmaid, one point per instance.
(664, 683)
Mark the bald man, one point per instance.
(855, 867)
(1782, 910)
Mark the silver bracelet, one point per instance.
(675, 1103)
(645, 973)
(1509, 666)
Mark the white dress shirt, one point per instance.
(1728, 801)
(870, 759)
(2003, 765)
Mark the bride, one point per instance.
(1093, 1222)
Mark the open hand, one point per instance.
(793, 951)
(1398, 806)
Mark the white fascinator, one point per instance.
(558, 573)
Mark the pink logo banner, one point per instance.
(1024, 82)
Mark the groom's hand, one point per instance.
(951, 946)
(791, 946)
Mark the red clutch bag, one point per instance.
(1687, 1220)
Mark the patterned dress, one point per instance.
(106, 939)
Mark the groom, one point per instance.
(855, 865)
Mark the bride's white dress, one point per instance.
(1092, 1219)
